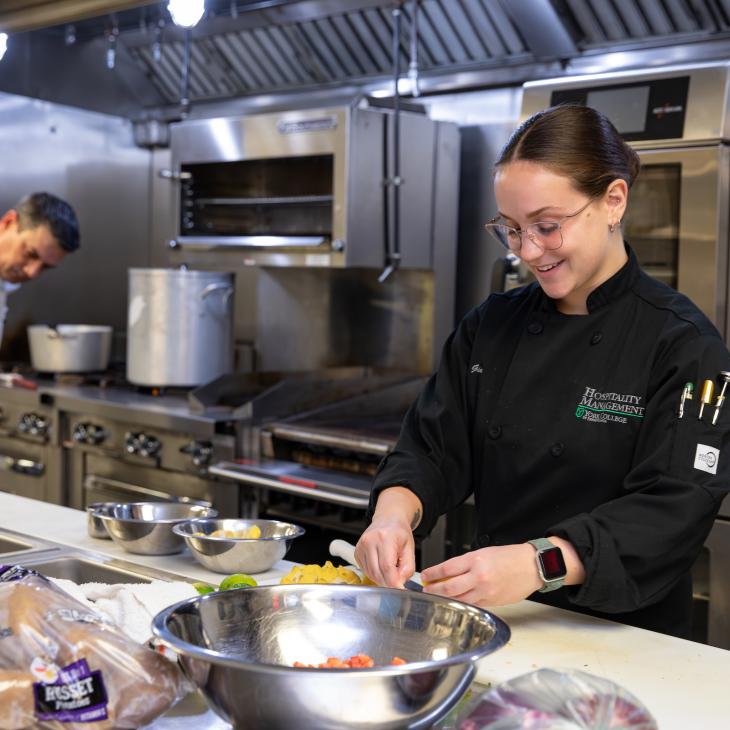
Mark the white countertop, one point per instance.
(683, 684)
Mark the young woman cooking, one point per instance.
(557, 405)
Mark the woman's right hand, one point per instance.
(386, 551)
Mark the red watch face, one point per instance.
(553, 565)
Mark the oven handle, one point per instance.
(93, 480)
(22, 466)
(291, 488)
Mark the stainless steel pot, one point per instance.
(70, 348)
(179, 327)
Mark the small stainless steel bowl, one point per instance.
(239, 648)
(238, 555)
(94, 523)
(145, 528)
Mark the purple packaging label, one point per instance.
(78, 695)
(14, 572)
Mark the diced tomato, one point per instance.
(397, 661)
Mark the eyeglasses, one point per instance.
(547, 235)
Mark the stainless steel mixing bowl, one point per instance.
(94, 523)
(145, 528)
(239, 647)
(238, 555)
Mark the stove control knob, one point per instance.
(200, 452)
(140, 444)
(149, 446)
(33, 424)
(89, 433)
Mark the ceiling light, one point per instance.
(186, 13)
(3, 44)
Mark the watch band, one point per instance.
(543, 545)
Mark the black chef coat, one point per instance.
(568, 425)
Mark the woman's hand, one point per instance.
(386, 551)
(492, 576)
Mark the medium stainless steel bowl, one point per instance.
(145, 528)
(238, 555)
(239, 647)
(94, 523)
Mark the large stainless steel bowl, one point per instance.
(145, 528)
(94, 523)
(239, 647)
(238, 555)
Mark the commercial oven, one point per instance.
(316, 187)
(677, 222)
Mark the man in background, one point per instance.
(35, 235)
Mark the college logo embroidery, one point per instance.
(706, 458)
(476, 369)
(598, 407)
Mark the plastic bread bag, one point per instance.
(63, 668)
(548, 699)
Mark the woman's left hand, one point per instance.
(492, 576)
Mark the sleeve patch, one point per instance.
(706, 458)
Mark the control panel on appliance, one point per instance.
(138, 443)
(200, 452)
(33, 424)
(88, 433)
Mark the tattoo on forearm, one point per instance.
(416, 519)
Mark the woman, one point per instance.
(557, 406)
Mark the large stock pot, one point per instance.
(179, 326)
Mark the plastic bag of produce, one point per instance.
(548, 699)
(63, 668)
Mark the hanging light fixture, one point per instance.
(186, 13)
(3, 44)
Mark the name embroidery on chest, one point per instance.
(601, 407)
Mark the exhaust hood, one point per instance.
(272, 47)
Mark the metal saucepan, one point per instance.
(70, 348)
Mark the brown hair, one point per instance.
(577, 142)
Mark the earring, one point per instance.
(612, 227)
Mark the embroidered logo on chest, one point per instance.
(597, 406)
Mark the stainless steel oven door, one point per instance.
(677, 223)
(23, 468)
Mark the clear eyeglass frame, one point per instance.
(547, 235)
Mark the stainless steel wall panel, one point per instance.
(90, 160)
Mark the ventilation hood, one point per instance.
(272, 47)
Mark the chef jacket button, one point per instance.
(494, 432)
(597, 337)
(557, 449)
(534, 328)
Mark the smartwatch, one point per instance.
(550, 564)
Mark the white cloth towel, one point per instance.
(129, 606)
